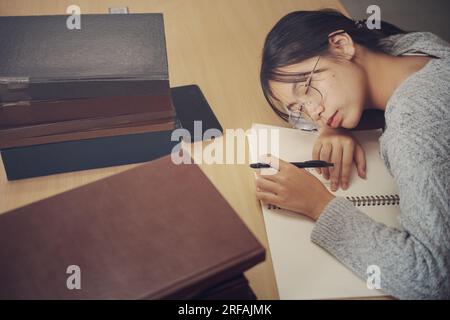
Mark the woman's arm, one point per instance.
(415, 262)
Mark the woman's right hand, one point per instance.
(338, 146)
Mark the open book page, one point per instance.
(303, 270)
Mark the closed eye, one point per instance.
(291, 107)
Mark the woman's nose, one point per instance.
(317, 112)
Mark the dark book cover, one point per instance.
(50, 73)
(103, 58)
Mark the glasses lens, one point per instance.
(308, 97)
(299, 120)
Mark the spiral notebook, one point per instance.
(304, 270)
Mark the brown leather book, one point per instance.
(157, 231)
(94, 127)
(110, 131)
(33, 113)
(82, 129)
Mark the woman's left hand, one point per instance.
(293, 189)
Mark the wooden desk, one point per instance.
(216, 44)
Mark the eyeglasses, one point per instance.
(307, 99)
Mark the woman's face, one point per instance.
(342, 84)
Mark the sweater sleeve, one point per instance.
(414, 262)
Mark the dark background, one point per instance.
(410, 15)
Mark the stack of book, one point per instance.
(74, 99)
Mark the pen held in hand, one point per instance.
(302, 165)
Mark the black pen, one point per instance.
(302, 165)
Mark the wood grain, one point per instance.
(213, 43)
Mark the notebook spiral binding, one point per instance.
(364, 201)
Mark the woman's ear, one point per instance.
(341, 44)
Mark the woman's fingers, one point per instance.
(340, 148)
(266, 185)
(325, 153)
(316, 154)
(360, 161)
(267, 197)
(347, 164)
(267, 188)
(336, 159)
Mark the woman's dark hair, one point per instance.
(302, 35)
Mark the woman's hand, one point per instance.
(338, 146)
(293, 189)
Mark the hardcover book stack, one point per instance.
(74, 99)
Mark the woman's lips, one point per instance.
(333, 119)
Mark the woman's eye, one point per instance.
(296, 108)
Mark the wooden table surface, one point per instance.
(216, 44)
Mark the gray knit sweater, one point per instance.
(415, 146)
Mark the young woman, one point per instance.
(322, 68)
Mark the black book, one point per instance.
(110, 55)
